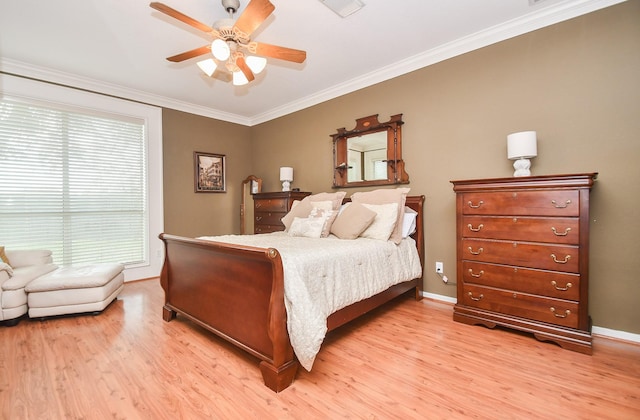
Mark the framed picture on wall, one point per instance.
(209, 172)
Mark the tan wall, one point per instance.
(577, 83)
(194, 214)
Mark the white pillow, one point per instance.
(384, 223)
(309, 227)
(409, 222)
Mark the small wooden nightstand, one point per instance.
(270, 207)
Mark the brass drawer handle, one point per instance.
(475, 275)
(471, 228)
(566, 259)
(564, 289)
(473, 206)
(566, 313)
(560, 206)
(475, 252)
(555, 232)
(475, 298)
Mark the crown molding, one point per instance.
(20, 69)
(549, 16)
(560, 12)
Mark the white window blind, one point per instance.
(73, 182)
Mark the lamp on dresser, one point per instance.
(286, 176)
(521, 147)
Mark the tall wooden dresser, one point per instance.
(270, 207)
(523, 256)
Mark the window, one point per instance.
(76, 180)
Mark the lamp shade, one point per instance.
(239, 78)
(256, 64)
(286, 174)
(220, 49)
(208, 66)
(522, 145)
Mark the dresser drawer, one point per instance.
(538, 282)
(272, 204)
(553, 311)
(562, 230)
(563, 258)
(522, 203)
(269, 218)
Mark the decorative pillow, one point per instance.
(385, 196)
(3, 256)
(409, 222)
(352, 220)
(384, 222)
(309, 227)
(303, 209)
(328, 215)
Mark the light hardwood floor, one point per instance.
(405, 360)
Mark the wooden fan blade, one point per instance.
(190, 54)
(253, 15)
(242, 65)
(282, 53)
(180, 16)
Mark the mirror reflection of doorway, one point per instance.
(367, 156)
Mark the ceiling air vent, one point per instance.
(344, 7)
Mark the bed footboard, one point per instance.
(236, 292)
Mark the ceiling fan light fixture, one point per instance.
(220, 49)
(239, 78)
(256, 64)
(208, 66)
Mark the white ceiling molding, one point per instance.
(507, 30)
(544, 16)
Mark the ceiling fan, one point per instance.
(232, 44)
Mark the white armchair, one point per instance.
(24, 266)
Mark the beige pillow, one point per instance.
(384, 222)
(335, 198)
(303, 209)
(385, 196)
(298, 209)
(352, 221)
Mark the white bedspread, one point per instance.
(324, 275)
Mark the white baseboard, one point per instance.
(601, 331)
(615, 334)
(440, 298)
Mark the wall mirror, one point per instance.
(370, 154)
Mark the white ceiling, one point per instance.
(119, 47)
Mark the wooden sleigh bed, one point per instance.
(237, 292)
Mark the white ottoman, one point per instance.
(73, 290)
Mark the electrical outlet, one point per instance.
(439, 267)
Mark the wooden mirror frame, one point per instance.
(255, 186)
(396, 173)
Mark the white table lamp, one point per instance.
(521, 147)
(286, 176)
